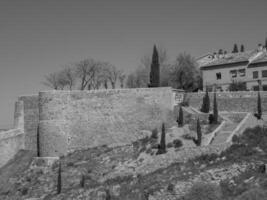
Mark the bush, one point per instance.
(185, 101)
(215, 109)
(211, 118)
(199, 134)
(177, 143)
(204, 191)
(235, 139)
(59, 179)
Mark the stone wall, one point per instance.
(12, 141)
(31, 119)
(71, 120)
(232, 101)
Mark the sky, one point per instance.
(37, 37)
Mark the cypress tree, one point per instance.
(205, 103)
(59, 178)
(266, 43)
(235, 49)
(215, 109)
(162, 146)
(38, 142)
(154, 69)
(259, 106)
(242, 48)
(82, 182)
(180, 119)
(199, 133)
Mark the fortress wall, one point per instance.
(12, 141)
(71, 120)
(31, 119)
(231, 101)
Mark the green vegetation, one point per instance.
(259, 106)
(199, 134)
(215, 110)
(235, 49)
(180, 119)
(242, 48)
(177, 143)
(59, 181)
(162, 146)
(154, 134)
(38, 141)
(205, 103)
(155, 69)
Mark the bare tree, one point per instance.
(85, 70)
(113, 75)
(185, 74)
(51, 81)
(68, 74)
(56, 80)
(122, 77)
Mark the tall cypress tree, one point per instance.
(242, 48)
(59, 178)
(162, 146)
(154, 69)
(199, 133)
(259, 106)
(215, 109)
(206, 103)
(180, 119)
(38, 142)
(266, 43)
(235, 49)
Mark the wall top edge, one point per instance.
(104, 90)
(10, 133)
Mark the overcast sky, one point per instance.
(38, 36)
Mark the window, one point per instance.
(255, 74)
(264, 73)
(218, 75)
(242, 72)
(233, 73)
(256, 88)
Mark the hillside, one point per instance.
(106, 176)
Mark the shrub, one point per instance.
(206, 103)
(180, 119)
(211, 118)
(199, 134)
(235, 139)
(154, 134)
(177, 143)
(170, 187)
(204, 191)
(82, 181)
(162, 147)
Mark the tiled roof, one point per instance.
(231, 58)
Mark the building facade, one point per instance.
(248, 68)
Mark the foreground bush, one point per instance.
(204, 191)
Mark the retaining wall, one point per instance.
(231, 101)
(31, 120)
(12, 141)
(71, 120)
